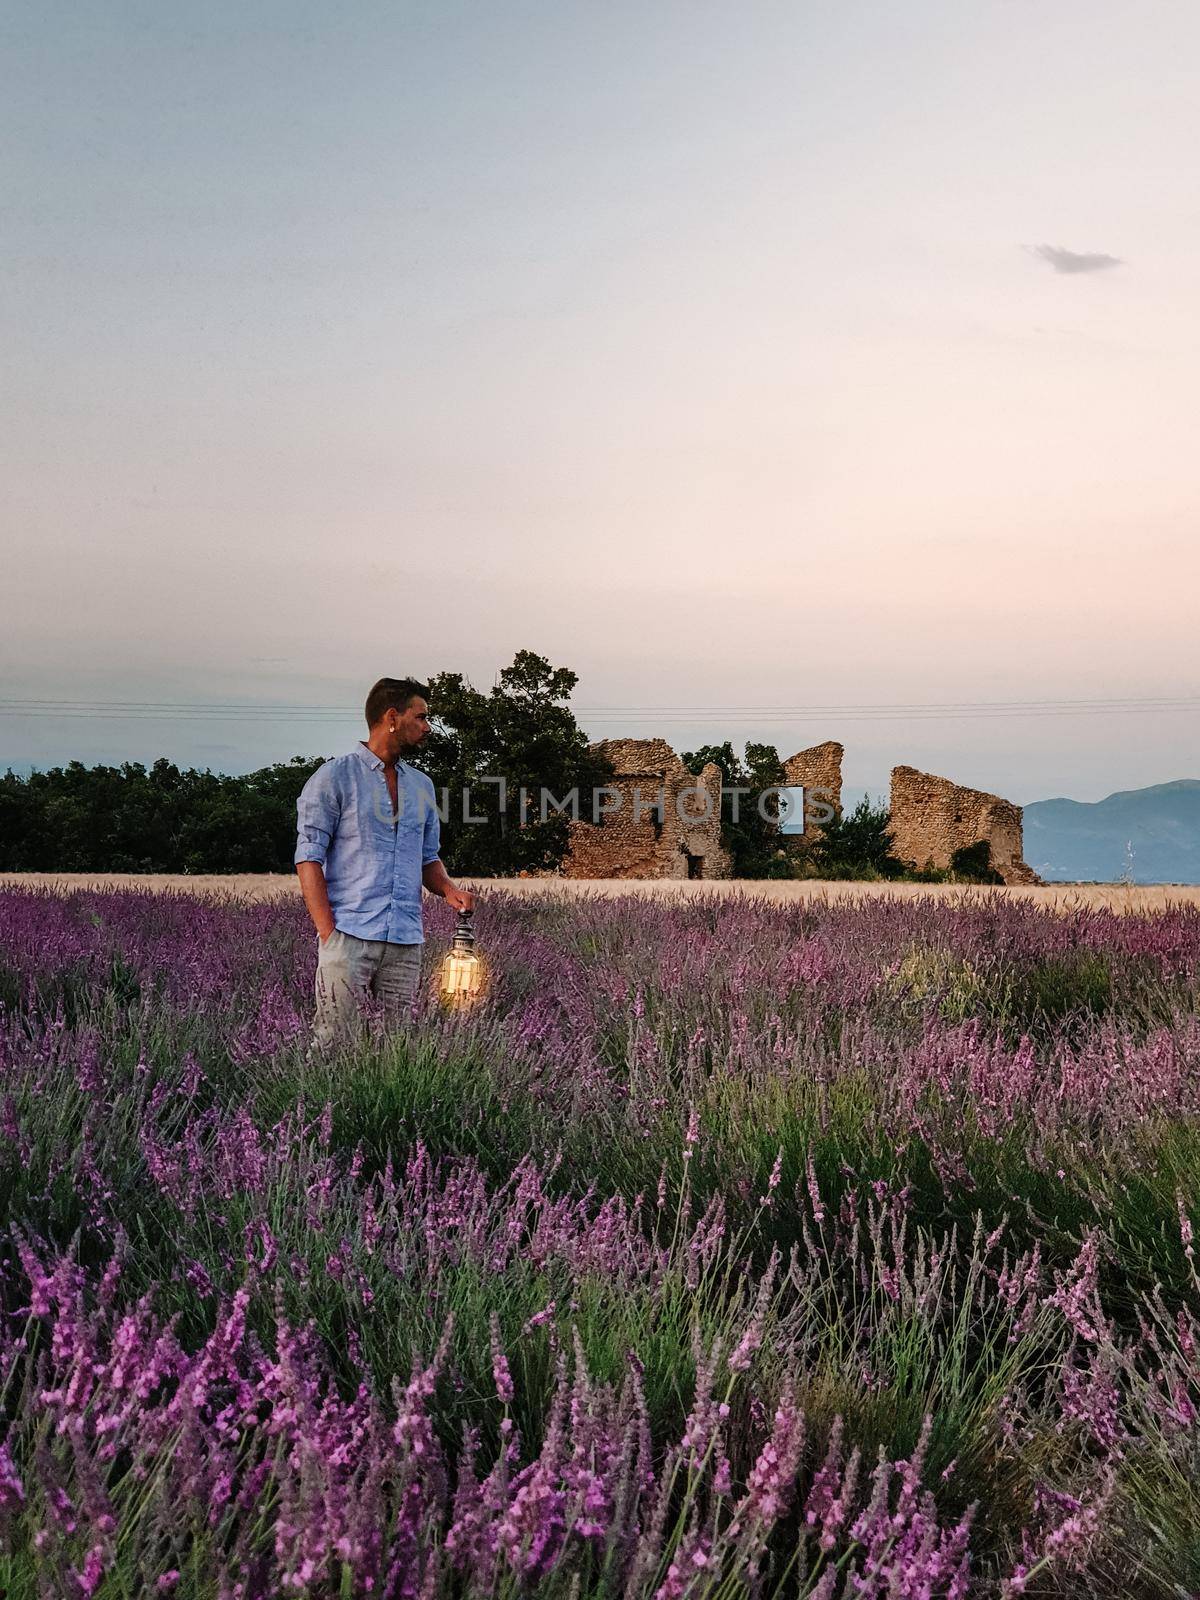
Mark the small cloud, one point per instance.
(1072, 261)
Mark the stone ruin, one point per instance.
(657, 819)
(819, 767)
(932, 818)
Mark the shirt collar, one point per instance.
(366, 755)
(371, 758)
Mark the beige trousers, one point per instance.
(349, 970)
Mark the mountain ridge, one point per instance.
(1149, 835)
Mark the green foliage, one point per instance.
(523, 731)
(932, 976)
(165, 819)
(753, 841)
(858, 844)
(1077, 983)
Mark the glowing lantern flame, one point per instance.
(463, 973)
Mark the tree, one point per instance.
(753, 841)
(858, 844)
(167, 819)
(522, 731)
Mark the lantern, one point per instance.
(462, 976)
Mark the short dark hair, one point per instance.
(392, 694)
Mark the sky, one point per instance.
(778, 367)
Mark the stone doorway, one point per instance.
(695, 865)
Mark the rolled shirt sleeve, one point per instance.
(317, 812)
(432, 842)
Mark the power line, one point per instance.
(886, 705)
(806, 705)
(245, 711)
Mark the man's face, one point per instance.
(408, 727)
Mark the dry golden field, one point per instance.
(261, 886)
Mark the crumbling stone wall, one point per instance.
(659, 820)
(932, 818)
(819, 767)
(635, 838)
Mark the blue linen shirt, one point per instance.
(372, 860)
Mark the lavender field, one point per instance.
(726, 1249)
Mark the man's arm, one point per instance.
(438, 881)
(317, 812)
(433, 874)
(316, 896)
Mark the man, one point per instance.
(367, 839)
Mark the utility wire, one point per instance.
(20, 702)
(244, 711)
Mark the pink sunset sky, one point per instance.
(754, 361)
